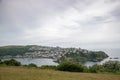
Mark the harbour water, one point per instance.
(114, 55)
(37, 61)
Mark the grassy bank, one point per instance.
(23, 73)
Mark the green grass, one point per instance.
(23, 73)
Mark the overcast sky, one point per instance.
(67, 23)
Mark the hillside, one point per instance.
(21, 73)
(57, 53)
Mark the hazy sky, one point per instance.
(68, 23)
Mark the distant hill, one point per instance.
(57, 53)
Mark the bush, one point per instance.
(85, 69)
(96, 68)
(32, 65)
(48, 67)
(12, 62)
(109, 66)
(112, 66)
(70, 66)
(1, 61)
(25, 65)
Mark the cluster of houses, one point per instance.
(52, 52)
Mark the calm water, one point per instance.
(37, 61)
(46, 61)
(112, 54)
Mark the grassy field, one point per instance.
(20, 73)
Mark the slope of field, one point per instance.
(20, 73)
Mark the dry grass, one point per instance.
(20, 73)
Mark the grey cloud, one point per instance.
(111, 1)
(99, 20)
(116, 13)
(80, 23)
(28, 13)
(17, 16)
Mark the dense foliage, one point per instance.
(112, 66)
(88, 56)
(11, 62)
(13, 50)
(70, 66)
(96, 68)
(109, 66)
(48, 67)
(32, 65)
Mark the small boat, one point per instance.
(116, 58)
(110, 58)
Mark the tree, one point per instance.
(112, 66)
(12, 62)
(96, 68)
(1, 61)
(70, 66)
(32, 65)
